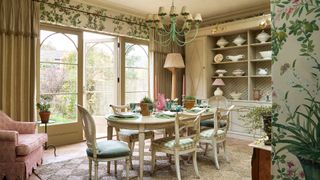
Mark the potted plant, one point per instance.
(258, 118)
(146, 105)
(189, 102)
(44, 112)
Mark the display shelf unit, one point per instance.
(252, 62)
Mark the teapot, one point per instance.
(262, 71)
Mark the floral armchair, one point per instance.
(21, 148)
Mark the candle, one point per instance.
(183, 85)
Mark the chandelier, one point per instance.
(172, 33)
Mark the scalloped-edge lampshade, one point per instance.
(218, 82)
(174, 60)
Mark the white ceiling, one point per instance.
(207, 8)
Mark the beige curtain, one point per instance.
(19, 27)
(162, 76)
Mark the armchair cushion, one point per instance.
(110, 149)
(29, 142)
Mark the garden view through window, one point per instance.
(58, 74)
(60, 80)
(137, 72)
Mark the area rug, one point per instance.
(236, 167)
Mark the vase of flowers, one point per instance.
(44, 112)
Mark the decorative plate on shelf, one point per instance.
(218, 58)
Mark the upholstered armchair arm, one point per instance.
(25, 127)
(8, 142)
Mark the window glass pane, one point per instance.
(58, 78)
(59, 48)
(136, 72)
(100, 67)
(136, 79)
(136, 55)
(135, 97)
(63, 109)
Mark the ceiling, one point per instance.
(209, 9)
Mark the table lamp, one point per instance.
(174, 61)
(218, 91)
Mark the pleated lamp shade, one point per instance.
(174, 60)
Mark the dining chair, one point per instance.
(217, 135)
(103, 151)
(215, 102)
(181, 143)
(129, 136)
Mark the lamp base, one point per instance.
(218, 92)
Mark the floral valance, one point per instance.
(75, 14)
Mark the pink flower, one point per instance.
(274, 94)
(289, 11)
(290, 164)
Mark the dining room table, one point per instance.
(155, 121)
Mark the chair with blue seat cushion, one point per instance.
(210, 123)
(127, 135)
(217, 135)
(106, 151)
(181, 143)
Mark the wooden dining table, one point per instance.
(142, 124)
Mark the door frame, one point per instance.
(62, 134)
(123, 41)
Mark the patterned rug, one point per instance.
(237, 167)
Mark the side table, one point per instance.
(46, 146)
(261, 162)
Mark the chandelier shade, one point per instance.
(171, 32)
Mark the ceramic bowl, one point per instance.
(222, 42)
(263, 37)
(235, 96)
(238, 72)
(239, 41)
(220, 72)
(266, 54)
(235, 58)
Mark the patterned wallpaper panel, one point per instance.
(296, 83)
(75, 14)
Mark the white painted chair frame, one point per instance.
(180, 124)
(90, 134)
(215, 139)
(131, 141)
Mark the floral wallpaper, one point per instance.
(296, 84)
(70, 13)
